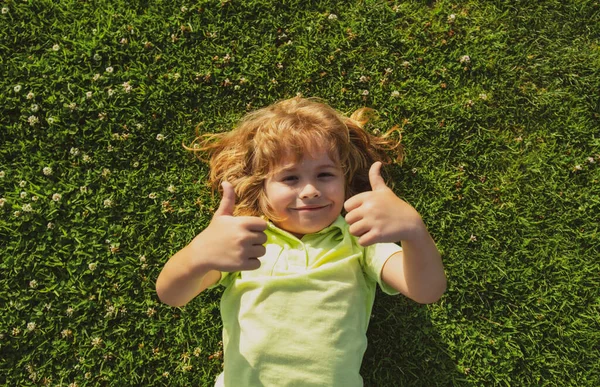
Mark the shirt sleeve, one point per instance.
(375, 257)
(226, 279)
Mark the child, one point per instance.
(300, 279)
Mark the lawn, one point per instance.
(499, 107)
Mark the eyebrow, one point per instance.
(292, 168)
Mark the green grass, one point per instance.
(502, 162)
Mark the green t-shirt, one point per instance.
(301, 318)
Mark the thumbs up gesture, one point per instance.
(379, 215)
(231, 243)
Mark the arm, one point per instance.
(183, 278)
(229, 244)
(416, 271)
(379, 216)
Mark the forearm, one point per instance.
(423, 268)
(181, 278)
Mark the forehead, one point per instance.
(313, 158)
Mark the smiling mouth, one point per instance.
(309, 208)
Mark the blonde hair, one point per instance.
(250, 153)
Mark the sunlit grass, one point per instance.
(500, 116)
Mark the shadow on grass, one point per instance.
(404, 348)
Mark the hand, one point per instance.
(379, 215)
(231, 243)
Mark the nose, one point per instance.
(309, 191)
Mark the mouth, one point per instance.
(309, 208)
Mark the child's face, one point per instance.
(308, 195)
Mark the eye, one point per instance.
(326, 174)
(289, 179)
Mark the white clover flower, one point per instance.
(88, 95)
(483, 96)
(83, 189)
(56, 47)
(152, 195)
(35, 107)
(472, 238)
(395, 93)
(2, 201)
(96, 77)
(578, 167)
(108, 203)
(365, 92)
(451, 18)
(183, 9)
(171, 188)
(31, 326)
(47, 171)
(96, 341)
(364, 79)
(176, 76)
(34, 198)
(102, 116)
(136, 164)
(50, 225)
(65, 333)
(69, 311)
(127, 87)
(110, 92)
(17, 88)
(150, 312)
(22, 183)
(30, 95)
(74, 151)
(33, 284)
(33, 120)
(465, 59)
(86, 158)
(332, 16)
(72, 106)
(406, 64)
(92, 266)
(2, 174)
(56, 197)
(51, 120)
(591, 160)
(16, 331)
(124, 41)
(109, 69)
(23, 195)
(4, 10)
(160, 137)
(16, 214)
(27, 207)
(106, 172)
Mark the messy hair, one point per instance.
(250, 153)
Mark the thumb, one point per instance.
(227, 201)
(377, 182)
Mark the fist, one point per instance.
(379, 216)
(231, 243)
